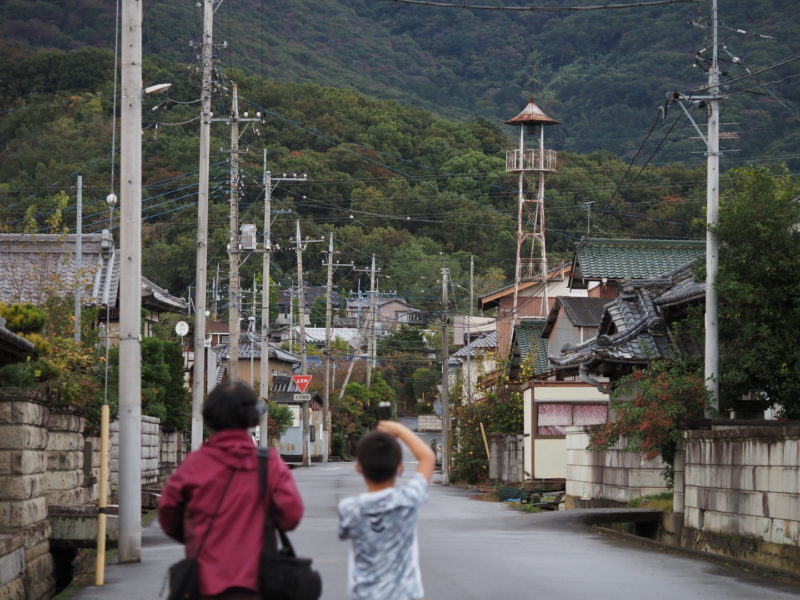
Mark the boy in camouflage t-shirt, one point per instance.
(382, 522)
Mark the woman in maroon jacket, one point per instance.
(224, 472)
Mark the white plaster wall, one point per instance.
(549, 458)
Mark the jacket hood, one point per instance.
(234, 448)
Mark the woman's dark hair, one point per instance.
(379, 455)
(231, 405)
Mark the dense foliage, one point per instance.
(500, 412)
(415, 190)
(357, 412)
(758, 286)
(601, 73)
(651, 407)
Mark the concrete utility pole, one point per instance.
(373, 301)
(328, 319)
(234, 293)
(79, 261)
(269, 182)
(445, 385)
(300, 246)
(711, 369)
(328, 357)
(199, 367)
(130, 293)
(469, 323)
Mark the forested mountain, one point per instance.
(601, 73)
(415, 189)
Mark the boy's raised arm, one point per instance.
(425, 456)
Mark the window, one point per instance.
(553, 419)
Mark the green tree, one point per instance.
(758, 287)
(317, 312)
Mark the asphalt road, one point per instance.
(476, 550)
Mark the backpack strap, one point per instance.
(269, 527)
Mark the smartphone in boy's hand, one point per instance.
(384, 411)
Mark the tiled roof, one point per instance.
(583, 312)
(316, 335)
(637, 259)
(35, 266)
(633, 328)
(528, 337)
(250, 347)
(485, 342)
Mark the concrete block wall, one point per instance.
(171, 452)
(610, 477)
(65, 446)
(26, 565)
(154, 471)
(429, 423)
(742, 493)
(91, 466)
(506, 458)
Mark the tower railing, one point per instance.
(530, 160)
(531, 269)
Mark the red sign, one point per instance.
(301, 381)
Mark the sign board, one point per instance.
(302, 397)
(181, 328)
(301, 381)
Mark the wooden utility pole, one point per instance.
(445, 385)
(199, 367)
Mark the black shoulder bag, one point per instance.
(183, 582)
(281, 574)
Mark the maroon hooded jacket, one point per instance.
(230, 556)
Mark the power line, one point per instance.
(532, 9)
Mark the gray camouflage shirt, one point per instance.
(384, 557)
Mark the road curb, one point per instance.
(759, 569)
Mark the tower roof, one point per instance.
(532, 115)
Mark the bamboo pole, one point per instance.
(485, 442)
(102, 502)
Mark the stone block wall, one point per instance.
(153, 472)
(91, 466)
(610, 477)
(506, 458)
(151, 450)
(23, 497)
(172, 452)
(65, 446)
(742, 493)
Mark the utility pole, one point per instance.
(264, 387)
(199, 367)
(373, 301)
(300, 246)
(469, 323)
(328, 319)
(130, 293)
(78, 261)
(234, 293)
(711, 368)
(215, 291)
(445, 385)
